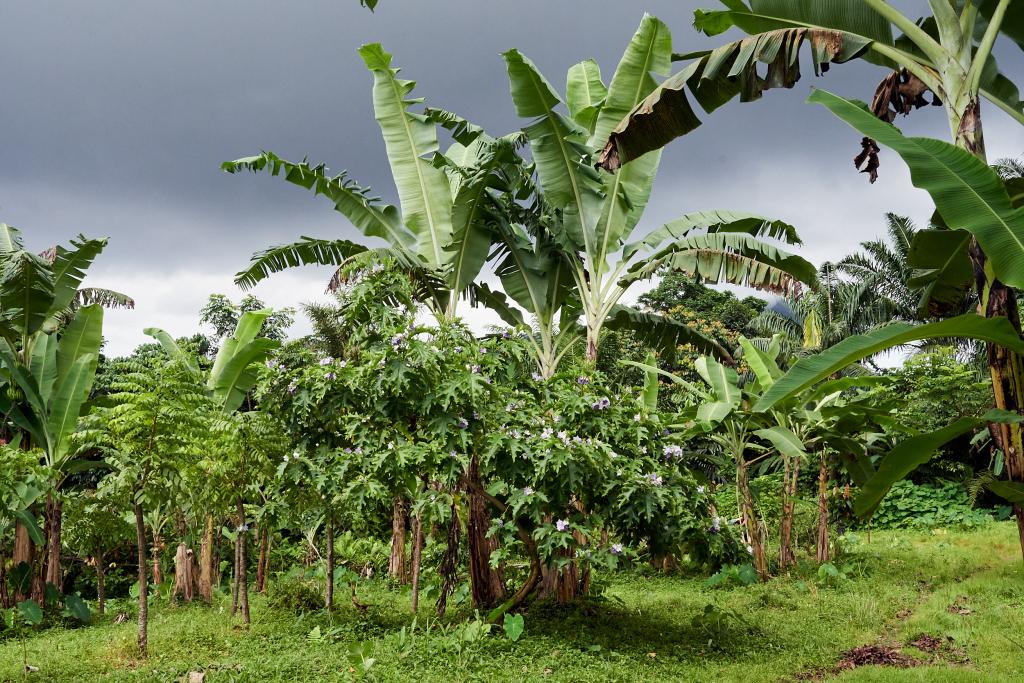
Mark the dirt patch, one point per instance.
(958, 607)
(878, 655)
(927, 643)
(941, 650)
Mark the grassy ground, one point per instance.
(967, 589)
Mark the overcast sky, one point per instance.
(117, 115)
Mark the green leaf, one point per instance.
(514, 626)
(26, 289)
(350, 200)
(497, 302)
(714, 412)
(585, 93)
(43, 364)
(715, 222)
(764, 367)
(28, 520)
(77, 607)
(69, 396)
(31, 612)
(10, 240)
(811, 370)
(915, 451)
(411, 138)
(172, 349)
(69, 268)
(967, 192)
(662, 333)
(943, 270)
(650, 393)
(306, 251)
(249, 325)
(238, 375)
(83, 336)
(724, 382)
(784, 440)
(1010, 491)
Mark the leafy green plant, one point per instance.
(915, 506)
(514, 626)
(733, 575)
(720, 626)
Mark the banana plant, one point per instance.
(50, 337)
(441, 234)
(948, 54)
(599, 212)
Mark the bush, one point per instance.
(909, 505)
(296, 591)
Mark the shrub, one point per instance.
(296, 591)
(909, 505)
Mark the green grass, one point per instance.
(899, 586)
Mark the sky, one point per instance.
(117, 115)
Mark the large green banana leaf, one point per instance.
(813, 369)
(729, 257)
(26, 290)
(10, 239)
(559, 151)
(661, 333)
(27, 383)
(915, 451)
(248, 327)
(69, 396)
(968, 194)
(352, 201)
(784, 441)
(716, 221)
(172, 349)
(239, 374)
(83, 336)
(763, 365)
(410, 139)
(724, 381)
(943, 270)
(69, 266)
(307, 251)
(43, 365)
(585, 93)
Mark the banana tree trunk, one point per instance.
(140, 542)
(54, 515)
(329, 578)
(749, 516)
(823, 553)
(396, 563)
(206, 562)
(996, 300)
(787, 557)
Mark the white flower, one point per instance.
(750, 549)
(562, 525)
(700, 489)
(326, 361)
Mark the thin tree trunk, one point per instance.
(140, 540)
(329, 592)
(235, 574)
(266, 562)
(101, 590)
(417, 555)
(206, 561)
(823, 553)
(750, 519)
(396, 564)
(787, 556)
(261, 563)
(23, 554)
(486, 583)
(54, 510)
(243, 580)
(158, 575)
(5, 596)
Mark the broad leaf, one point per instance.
(724, 381)
(410, 139)
(967, 192)
(307, 251)
(716, 221)
(764, 367)
(26, 291)
(172, 349)
(585, 93)
(661, 333)
(68, 397)
(239, 374)
(69, 268)
(944, 273)
(811, 370)
(43, 364)
(83, 336)
(915, 451)
(784, 440)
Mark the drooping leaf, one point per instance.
(69, 268)
(43, 364)
(238, 375)
(496, 301)
(661, 333)
(26, 290)
(1010, 491)
(306, 251)
(813, 369)
(915, 451)
(967, 192)
(585, 93)
(724, 381)
(784, 440)
(352, 201)
(172, 349)
(28, 520)
(944, 273)
(716, 221)
(764, 366)
(650, 392)
(77, 608)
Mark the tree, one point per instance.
(948, 54)
(222, 314)
(156, 416)
(599, 212)
(50, 335)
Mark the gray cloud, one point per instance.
(117, 115)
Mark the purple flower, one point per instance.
(475, 369)
(344, 364)
(601, 404)
(527, 491)
(506, 335)
(462, 423)
(483, 350)
(655, 479)
(562, 525)
(326, 361)
(581, 380)
(536, 377)
(716, 525)
(292, 387)
(330, 377)
(397, 339)
(616, 548)
(271, 364)
(672, 451)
